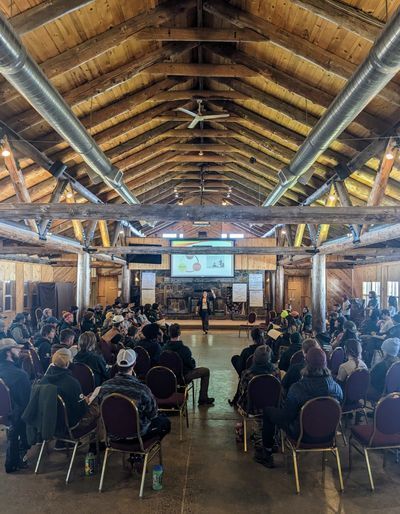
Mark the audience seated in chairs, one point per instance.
(43, 344)
(353, 362)
(87, 344)
(390, 349)
(295, 346)
(293, 374)
(18, 330)
(125, 383)
(151, 342)
(19, 387)
(316, 381)
(239, 361)
(349, 332)
(190, 371)
(67, 338)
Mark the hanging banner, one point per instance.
(255, 281)
(239, 293)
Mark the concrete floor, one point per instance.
(207, 472)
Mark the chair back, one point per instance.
(143, 361)
(62, 425)
(392, 381)
(297, 358)
(5, 404)
(38, 315)
(356, 386)
(249, 361)
(319, 419)
(173, 361)
(120, 417)
(162, 382)
(336, 359)
(263, 391)
(106, 350)
(387, 416)
(252, 318)
(37, 365)
(84, 376)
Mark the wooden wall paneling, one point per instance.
(107, 289)
(338, 283)
(255, 262)
(64, 274)
(19, 286)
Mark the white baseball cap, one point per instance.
(126, 358)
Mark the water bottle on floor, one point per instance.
(157, 477)
(90, 464)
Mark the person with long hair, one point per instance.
(392, 306)
(354, 361)
(87, 354)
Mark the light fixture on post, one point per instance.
(224, 202)
(389, 156)
(180, 202)
(5, 152)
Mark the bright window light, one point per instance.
(224, 236)
(236, 236)
(180, 236)
(169, 236)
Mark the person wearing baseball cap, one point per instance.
(19, 386)
(390, 348)
(126, 383)
(316, 381)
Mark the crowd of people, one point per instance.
(104, 339)
(373, 345)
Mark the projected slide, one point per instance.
(201, 265)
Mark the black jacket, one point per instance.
(246, 353)
(292, 376)
(88, 326)
(153, 348)
(199, 305)
(184, 352)
(70, 391)
(96, 363)
(18, 383)
(44, 351)
(284, 361)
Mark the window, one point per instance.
(236, 236)
(371, 286)
(169, 236)
(7, 297)
(224, 236)
(393, 290)
(26, 293)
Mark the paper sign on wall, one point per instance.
(239, 293)
(256, 299)
(255, 281)
(148, 280)
(148, 296)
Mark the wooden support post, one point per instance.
(298, 239)
(90, 232)
(344, 198)
(83, 281)
(117, 230)
(324, 228)
(105, 236)
(289, 235)
(126, 284)
(318, 292)
(382, 177)
(76, 224)
(45, 225)
(273, 289)
(280, 289)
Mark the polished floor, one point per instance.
(207, 472)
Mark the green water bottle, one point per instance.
(157, 477)
(90, 464)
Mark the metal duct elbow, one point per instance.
(382, 63)
(28, 79)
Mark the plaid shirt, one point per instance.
(131, 387)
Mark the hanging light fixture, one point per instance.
(389, 156)
(5, 152)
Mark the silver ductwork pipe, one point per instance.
(21, 233)
(382, 63)
(28, 79)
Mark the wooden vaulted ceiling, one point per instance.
(125, 66)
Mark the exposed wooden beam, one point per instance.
(234, 250)
(198, 34)
(345, 200)
(105, 236)
(201, 70)
(271, 215)
(323, 230)
(197, 94)
(300, 47)
(344, 15)
(43, 13)
(76, 223)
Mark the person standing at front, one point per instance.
(204, 311)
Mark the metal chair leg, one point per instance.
(71, 463)
(245, 434)
(371, 480)
(187, 415)
(342, 431)
(180, 425)
(282, 441)
(40, 457)
(103, 470)
(160, 455)
(143, 475)
(350, 455)
(339, 469)
(296, 471)
(193, 396)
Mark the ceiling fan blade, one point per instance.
(190, 113)
(194, 122)
(215, 116)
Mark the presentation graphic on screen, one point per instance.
(193, 265)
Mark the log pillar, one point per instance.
(318, 292)
(83, 281)
(279, 289)
(126, 284)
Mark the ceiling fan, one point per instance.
(199, 115)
